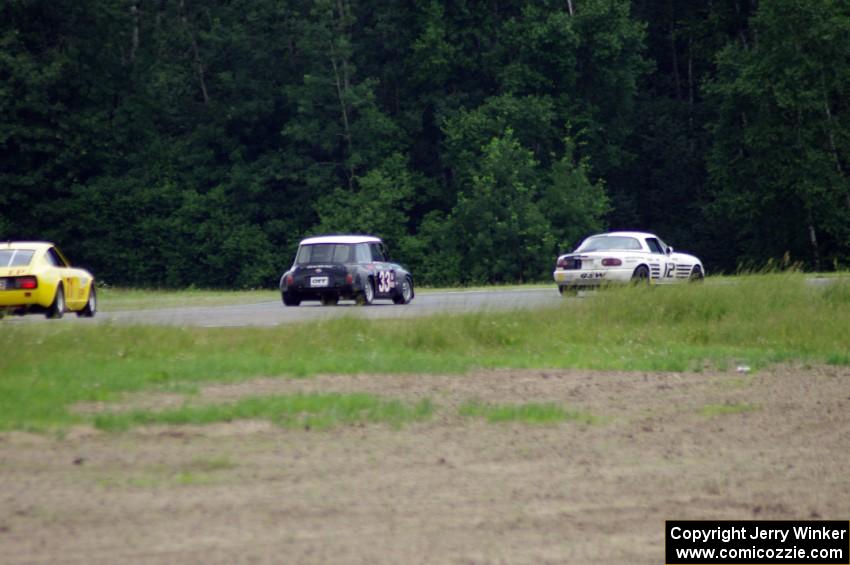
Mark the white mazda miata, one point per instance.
(622, 257)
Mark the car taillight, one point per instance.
(562, 263)
(611, 262)
(26, 283)
(349, 278)
(289, 280)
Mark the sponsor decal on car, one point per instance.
(386, 281)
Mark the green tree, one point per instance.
(378, 204)
(781, 133)
(574, 206)
(502, 234)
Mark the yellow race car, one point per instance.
(36, 277)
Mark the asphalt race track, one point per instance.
(265, 314)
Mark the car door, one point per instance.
(69, 277)
(667, 267)
(384, 272)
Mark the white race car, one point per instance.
(622, 257)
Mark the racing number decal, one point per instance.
(386, 281)
(669, 270)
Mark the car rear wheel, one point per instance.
(406, 294)
(329, 300)
(696, 275)
(290, 299)
(566, 290)
(57, 309)
(641, 275)
(91, 305)
(366, 297)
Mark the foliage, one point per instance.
(502, 235)
(379, 203)
(179, 142)
(783, 128)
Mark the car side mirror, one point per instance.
(669, 250)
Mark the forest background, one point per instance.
(180, 142)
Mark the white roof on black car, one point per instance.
(340, 239)
(625, 234)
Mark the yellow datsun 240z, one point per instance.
(36, 277)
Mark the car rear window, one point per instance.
(15, 257)
(325, 253)
(610, 243)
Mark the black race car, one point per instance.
(353, 267)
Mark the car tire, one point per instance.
(566, 290)
(405, 295)
(696, 275)
(90, 308)
(366, 297)
(290, 299)
(641, 275)
(329, 300)
(57, 309)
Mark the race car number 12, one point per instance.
(385, 281)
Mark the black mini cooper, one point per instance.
(352, 267)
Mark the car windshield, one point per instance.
(15, 257)
(609, 243)
(325, 253)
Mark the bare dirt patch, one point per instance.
(450, 490)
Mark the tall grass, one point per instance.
(757, 320)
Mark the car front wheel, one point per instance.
(406, 294)
(91, 305)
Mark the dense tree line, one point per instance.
(178, 142)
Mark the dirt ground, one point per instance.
(771, 445)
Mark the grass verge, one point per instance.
(760, 319)
(114, 299)
(313, 411)
(526, 413)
